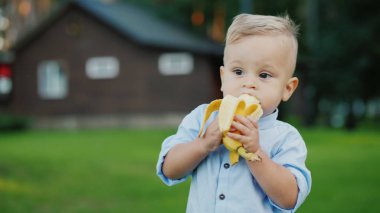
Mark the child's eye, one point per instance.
(265, 75)
(238, 72)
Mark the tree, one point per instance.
(348, 52)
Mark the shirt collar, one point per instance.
(268, 121)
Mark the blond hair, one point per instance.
(247, 24)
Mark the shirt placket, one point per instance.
(222, 192)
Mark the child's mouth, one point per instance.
(251, 94)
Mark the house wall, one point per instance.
(139, 87)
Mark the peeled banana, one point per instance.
(228, 107)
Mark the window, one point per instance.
(175, 63)
(102, 67)
(5, 85)
(52, 80)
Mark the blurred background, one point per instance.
(90, 88)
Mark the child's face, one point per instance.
(260, 66)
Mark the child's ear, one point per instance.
(290, 87)
(221, 71)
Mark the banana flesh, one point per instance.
(228, 107)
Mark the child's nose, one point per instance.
(250, 82)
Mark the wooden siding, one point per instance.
(139, 87)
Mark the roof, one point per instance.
(139, 25)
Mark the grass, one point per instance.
(114, 171)
(345, 171)
(86, 171)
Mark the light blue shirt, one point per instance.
(216, 186)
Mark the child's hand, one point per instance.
(212, 137)
(249, 133)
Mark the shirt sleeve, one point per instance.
(187, 132)
(292, 155)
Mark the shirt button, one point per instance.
(222, 196)
(226, 165)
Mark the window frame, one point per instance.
(102, 67)
(176, 63)
(52, 80)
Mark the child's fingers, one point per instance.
(253, 122)
(235, 136)
(240, 127)
(244, 120)
(244, 140)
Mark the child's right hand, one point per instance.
(212, 138)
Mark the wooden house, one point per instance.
(92, 58)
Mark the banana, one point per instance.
(228, 107)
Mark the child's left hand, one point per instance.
(249, 133)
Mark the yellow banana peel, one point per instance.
(228, 107)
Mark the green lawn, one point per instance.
(114, 171)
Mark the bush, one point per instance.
(9, 122)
